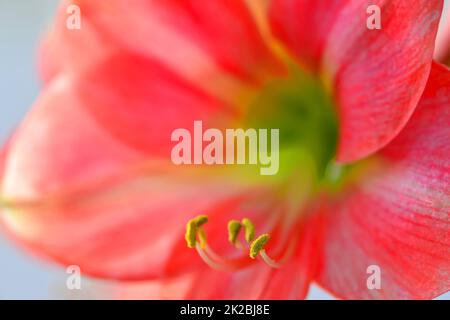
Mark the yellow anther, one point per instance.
(258, 245)
(201, 220)
(234, 226)
(249, 230)
(191, 233)
(194, 228)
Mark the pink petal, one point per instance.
(141, 103)
(84, 188)
(193, 38)
(129, 231)
(3, 152)
(168, 289)
(399, 217)
(291, 18)
(64, 50)
(376, 76)
(84, 128)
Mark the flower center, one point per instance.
(299, 106)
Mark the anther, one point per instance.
(196, 238)
(201, 220)
(191, 233)
(249, 230)
(194, 228)
(258, 245)
(234, 227)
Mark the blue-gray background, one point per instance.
(22, 22)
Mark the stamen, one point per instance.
(249, 230)
(221, 264)
(269, 261)
(202, 237)
(191, 233)
(201, 220)
(210, 262)
(258, 245)
(194, 228)
(257, 248)
(234, 227)
(265, 257)
(196, 238)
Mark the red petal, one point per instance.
(88, 175)
(399, 218)
(377, 76)
(99, 124)
(64, 50)
(142, 103)
(172, 288)
(291, 18)
(128, 231)
(193, 38)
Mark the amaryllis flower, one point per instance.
(364, 125)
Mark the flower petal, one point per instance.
(167, 289)
(289, 20)
(118, 115)
(3, 152)
(88, 177)
(398, 218)
(376, 76)
(64, 50)
(202, 49)
(127, 232)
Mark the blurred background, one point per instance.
(22, 23)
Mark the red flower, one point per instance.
(87, 178)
